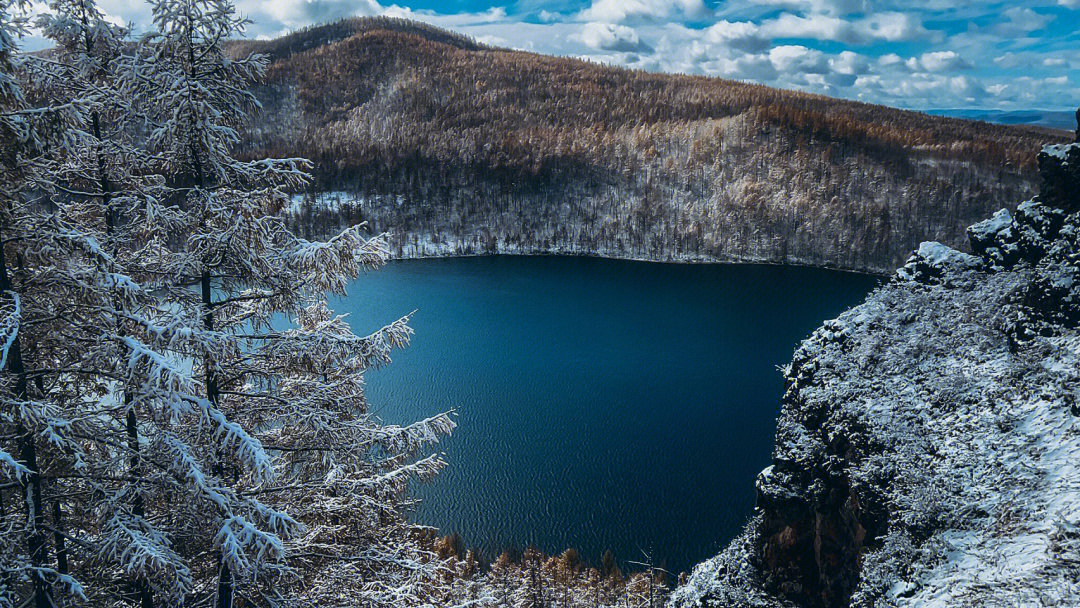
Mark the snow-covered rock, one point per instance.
(928, 450)
(1059, 166)
(933, 261)
(1059, 151)
(988, 236)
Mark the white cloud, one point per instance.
(299, 13)
(1009, 61)
(895, 27)
(752, 67)
(798, 59)
(942, 61)
(889, 27)
(741, 35)
(968, 89)
(849, 63)
(1021, 21)
(890, 59)
(613, 11)
(828, 7)
(816, 27)
(612, 37)
(756, 67)
(455, 21)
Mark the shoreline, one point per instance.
(685, 261)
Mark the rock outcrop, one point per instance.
(928, 450)
(1059, 167)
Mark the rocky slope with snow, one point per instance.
(928, 451)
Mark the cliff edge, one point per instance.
(928, 450)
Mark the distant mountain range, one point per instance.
(1052, 119)
(459, 148)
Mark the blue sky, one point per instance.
(917, 54)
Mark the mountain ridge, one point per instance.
(1063, 120)
(314, 36)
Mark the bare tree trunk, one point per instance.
(58, 539)
(30, 484)
(213, 394)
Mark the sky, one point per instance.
(918, 54)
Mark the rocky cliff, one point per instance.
(928, 451)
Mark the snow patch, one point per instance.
(988, 228)
(941, 256)
(1061, 151)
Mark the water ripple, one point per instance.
(602, 404)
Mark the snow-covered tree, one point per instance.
(42, 264)
(303, 486)
(105, 192)
(342, 471)
(189, 413)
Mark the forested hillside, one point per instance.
(458, 148)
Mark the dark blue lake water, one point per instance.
(602, 404)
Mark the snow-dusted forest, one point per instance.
(162, 442)
(456, 148)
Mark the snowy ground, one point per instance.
(423, 244)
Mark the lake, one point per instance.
(602, 404)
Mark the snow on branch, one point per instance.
(144, 551)
(12, 466)
(327, 346)
(242, 545)
(187, 468)
(46, 420)
(162, 372)
(330, 265)
(416, 436)
(10, 315)
(65, 582)
(232, 436)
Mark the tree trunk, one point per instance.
(58, 539)
(31, 484)
(225, 584)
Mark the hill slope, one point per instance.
(460, 148)
(928, 450)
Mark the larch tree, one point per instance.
(46, 264)
(22, 545)
(124, 382)
(183, 416)
(75, 388)
(300, 488)
(344, 473)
